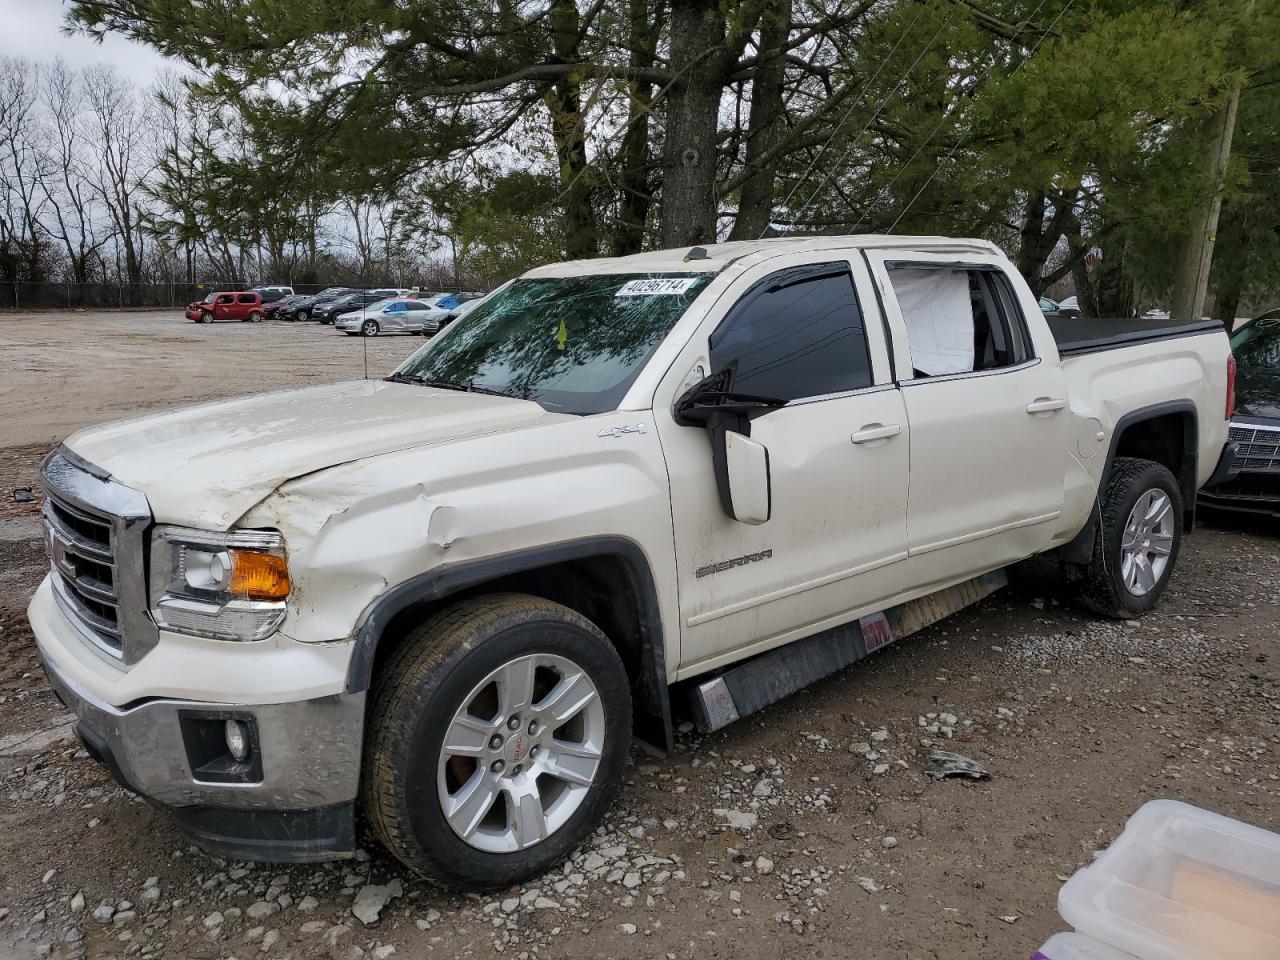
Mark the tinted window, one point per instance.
(247, 298)
(959, 321)
(797, 333)
(227, 298)
(415, 306)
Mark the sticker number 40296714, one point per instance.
(645, 288)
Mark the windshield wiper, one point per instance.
(449, 385)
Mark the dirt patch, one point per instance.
(67, 371)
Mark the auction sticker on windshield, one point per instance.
(644, 288)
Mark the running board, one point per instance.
(754, 684)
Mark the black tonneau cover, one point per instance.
(1077, 335)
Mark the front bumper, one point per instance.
(293, 800)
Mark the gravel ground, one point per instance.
(808, 830)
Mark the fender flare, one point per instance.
(1080, 548)
(441, 583)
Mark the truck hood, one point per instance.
(206, 465)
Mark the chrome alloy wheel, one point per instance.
(521, 753)
(1147, 542)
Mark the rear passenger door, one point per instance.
(806, 333)
(990, 430)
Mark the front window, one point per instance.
(570, 344)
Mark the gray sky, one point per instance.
(32, 29)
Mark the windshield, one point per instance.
(571, 344)
(1258, 342)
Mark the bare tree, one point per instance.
(119, 123)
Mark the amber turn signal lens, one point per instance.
(259, 576)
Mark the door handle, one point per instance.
(872, 432)
(1045, 405)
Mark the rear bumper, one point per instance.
(291, 800)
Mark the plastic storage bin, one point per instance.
(1073, 946)
(1181, 884)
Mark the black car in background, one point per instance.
(302, 308)
(328, 311)
(1255, 428)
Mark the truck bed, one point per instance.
(1078, 335)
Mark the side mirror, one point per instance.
(747, 473)
(741, 464)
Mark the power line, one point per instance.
(874, 116)
(956, 147)
(853, 106)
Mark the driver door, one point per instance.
(837, 453)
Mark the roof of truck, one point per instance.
(714, 257)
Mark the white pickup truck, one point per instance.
(693, 479)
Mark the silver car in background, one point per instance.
(386, 316)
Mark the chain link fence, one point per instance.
(53, 295)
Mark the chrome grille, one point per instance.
(94, 530)
(1259, 450)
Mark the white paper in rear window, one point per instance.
(939, 319)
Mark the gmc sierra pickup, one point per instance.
(694, 478)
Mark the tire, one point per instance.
(369, 328)
(420, 696)
(303, 315)
(1118, 582)
(206, 317)
(255, 316)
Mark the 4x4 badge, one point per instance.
(616, 432)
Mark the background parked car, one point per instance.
(1054, 308)
(389, 316)
(301, 309)
(330, 311)
(272, 308)
(439, 321)
(227, 305)
(1255, 427)
(273, 294)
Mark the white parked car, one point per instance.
(387, 316)
(697, 477)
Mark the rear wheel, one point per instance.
(496, 740)
(255, 316)
(1138, 537)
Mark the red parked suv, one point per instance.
(242, 305)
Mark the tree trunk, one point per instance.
(689, 151)
(633, 180)
(764, 123)
(568, 132)
(1192, 283)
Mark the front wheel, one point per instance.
(369, 328)
(304, 315)
(206, 317)
(1139, 533)
(496, 741)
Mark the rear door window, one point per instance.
(247, 298)
(959, 320)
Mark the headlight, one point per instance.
(229, 586)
